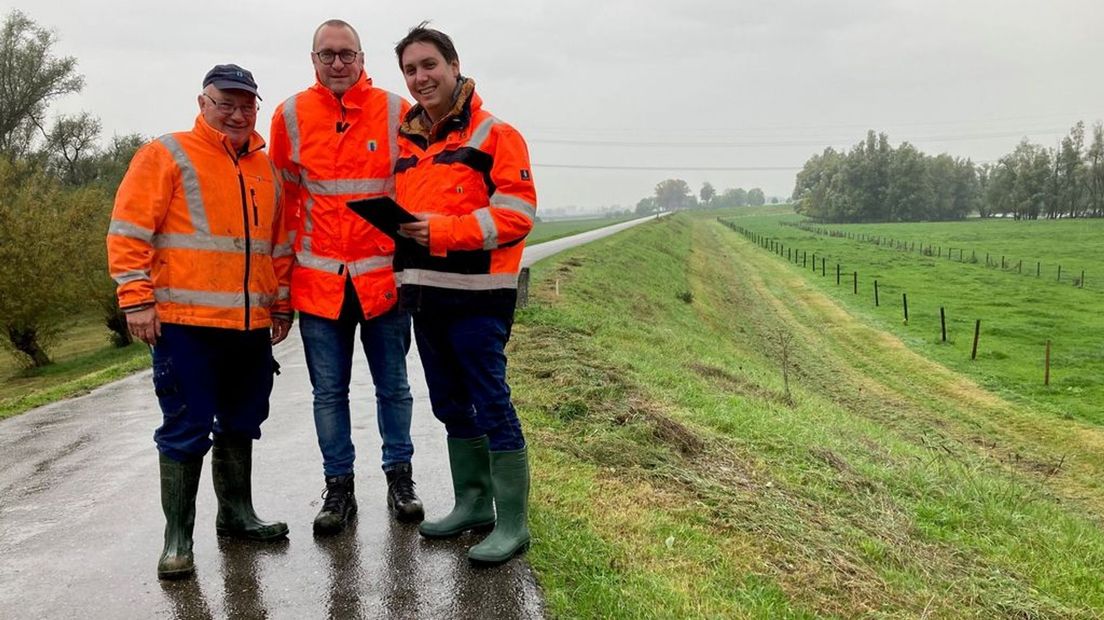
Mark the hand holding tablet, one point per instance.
(383, 213)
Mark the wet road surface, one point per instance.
(81, 522)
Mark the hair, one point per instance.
(334, 23)
(422, 34)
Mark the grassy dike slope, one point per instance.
(672, 476)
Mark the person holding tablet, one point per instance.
(466, 175)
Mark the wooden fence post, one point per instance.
(977, 332)
(523, 288)
(1046, 376)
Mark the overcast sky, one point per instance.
(736, 92)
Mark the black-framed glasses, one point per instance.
(327, 57)
(227, 109)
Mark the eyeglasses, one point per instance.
(227, 109)
(327, 57)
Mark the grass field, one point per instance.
(1018, 311)
(83, 360)
(1028, 247)
(547, 231)
(675, 477)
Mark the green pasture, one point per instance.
(1027, 247)
(1019, 312)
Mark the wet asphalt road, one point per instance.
(81, 523)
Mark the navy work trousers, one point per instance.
(464, 358)
(210, 380)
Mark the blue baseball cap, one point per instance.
(231, 77)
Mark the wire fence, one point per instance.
(810, 260)
(1043, 271)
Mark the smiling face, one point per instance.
(430, 79)
(338, 76)
(237, 116)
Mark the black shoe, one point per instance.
(340, 504)
(400, 494)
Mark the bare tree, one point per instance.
(783, 342)
(73, 148)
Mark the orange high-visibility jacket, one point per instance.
(198, 230)
(330, 151)
(478, 179)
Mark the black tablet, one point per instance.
(383, 213)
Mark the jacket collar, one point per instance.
(215, 137)
(465, 103)
(355, 97)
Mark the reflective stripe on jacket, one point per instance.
(477, 178)
(330, 151)
(199, 231)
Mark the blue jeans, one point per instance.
(329, 344)
(464, 358)
(210, 380)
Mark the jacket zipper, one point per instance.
(253, 199)
(341, 127)
(248, 241)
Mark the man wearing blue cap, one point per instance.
(200, 254)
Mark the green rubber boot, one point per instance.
(179, 484)
(469, 461)
(232, 472)
(510, 481)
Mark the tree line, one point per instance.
(675, 194)
(57, 182)
(875, 182)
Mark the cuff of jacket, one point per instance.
(137, 308)
(440, 233)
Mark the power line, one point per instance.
(807, 127)
(777, 143)
(675, 168)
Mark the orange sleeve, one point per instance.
(279, 151)
(283, 256)
(512, 207)
(141, 203)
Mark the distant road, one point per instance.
(548, 248)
